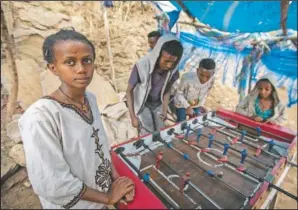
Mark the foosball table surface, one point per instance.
(196, 147)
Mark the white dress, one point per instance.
(65, 152)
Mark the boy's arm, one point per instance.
(133, 81)
(165, 105)
(167, 95)
(180, 93)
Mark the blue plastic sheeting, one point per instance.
(229, 61)
(241, 16)
(247, 15)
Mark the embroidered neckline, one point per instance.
(76, 109)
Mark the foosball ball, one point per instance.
(218, 160)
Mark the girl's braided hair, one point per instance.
(62, 35)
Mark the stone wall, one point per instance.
(30, 22)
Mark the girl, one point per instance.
(66, 147)
(262, 104)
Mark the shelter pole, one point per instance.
(106, 23)
(249, 79)
(284, 7)
(197, 25)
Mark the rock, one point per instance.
(41, 18)
(115, 111)
(17, 153)
(105, 95)
(15, 179)
(16, 116)
(122, 96)
(13, 131)
(122, 129)
(29, 77)
(27, 183)
(109, 131)
(78, 22)
(8, 167)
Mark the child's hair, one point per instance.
(62, 35)
(154, 34)
(207, 63)
(174, 48)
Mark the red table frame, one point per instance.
(144, 198)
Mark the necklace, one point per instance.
(84, 106)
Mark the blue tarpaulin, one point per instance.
(239, 23)
(245, 16)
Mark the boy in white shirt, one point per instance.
(193, 90)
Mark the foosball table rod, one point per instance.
(259, 131)
(230, 147)
(260, 179)
(195, 121)
(247, 135)
(242, 140)
(252, 145)
(210, 173)
(141, 143)
(165, 200)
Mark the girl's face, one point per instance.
(73, 63)
(265, 89)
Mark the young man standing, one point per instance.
(150, 82)
(193, 90)
(152, 39)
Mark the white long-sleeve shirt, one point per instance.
(191, 92)
(65, 152)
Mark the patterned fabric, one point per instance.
(259, 112)
(66, 151)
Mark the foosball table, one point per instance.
(217, 160)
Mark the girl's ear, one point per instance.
(52, 68)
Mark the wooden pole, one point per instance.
(9, 52)
(250, 78)
(197, 25)
(284, 7)
(106, 23)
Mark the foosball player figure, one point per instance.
(258, 152)
(235, 140)
(210, 142)
(241, 167)
(185, 182)
(224, 158)
(213, 131)
(158, 159)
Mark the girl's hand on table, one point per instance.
(119, 189)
